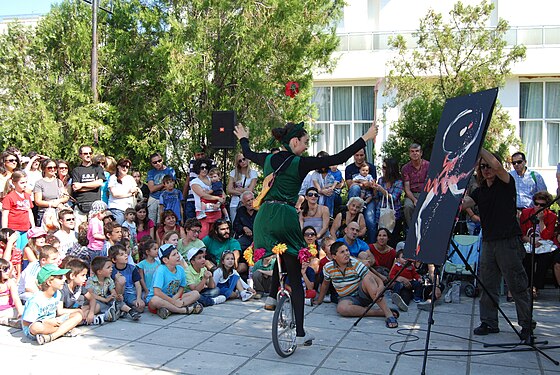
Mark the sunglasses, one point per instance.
(50, 168)
(70, 219)
(540, 204)
(126, 166)
(10, 161)
(203, 167)
(516, 162)
(86, 153)
(63, 168)
(242, 159)
(484, 166)
(313, 195)
(157, 161)
(309, 234)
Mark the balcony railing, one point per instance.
(537, 36)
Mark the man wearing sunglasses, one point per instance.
(154, 179)
(87, 179)
(67, 236)
(502, 250)
(527, 183)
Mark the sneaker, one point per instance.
(200, 216)
(306, 340)
(219, 299)
(98, 320)
(424, 305)
(245, 295)
(163, 313)
(327, 299)
(111, 314)
(525, 335)
(270, 303)
(418, 300)
(134, 315)
(397, 300)
(483, 329)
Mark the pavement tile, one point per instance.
(259, 367)
(309, 355)
(233, 344)
(176, 337)
(122, 329)
(141, 354)
(201, 362)
(348, 360)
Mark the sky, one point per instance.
(12, 7)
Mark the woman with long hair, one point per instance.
(122, 189)
(144, 225)
(242, 178)
(391, 183)
(201, 187)
(277, 221)
(314, 214)
(9, 162)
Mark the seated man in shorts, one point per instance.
(356, 286)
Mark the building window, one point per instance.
(539, 122)
(344, 114)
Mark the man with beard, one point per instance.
(244, 219)
(219, 240)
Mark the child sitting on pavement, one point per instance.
(103, 287)
(27, 286)
(127, 283)
(408, 285)
(201, 280)
(229, 282)
(44, 318)
(147, 267)
(10, 304)
(356, 286)
(167, 294)
(74, 293)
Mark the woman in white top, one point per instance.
(241, 179)
(122, 189)
(201, 187)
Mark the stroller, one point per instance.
(454, 268)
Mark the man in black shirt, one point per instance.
(502, 250)
(86, 182)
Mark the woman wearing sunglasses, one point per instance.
(241, 179)
(201, 187)
(277, 220)
(122, 190)
(314, 214)
(49, 190)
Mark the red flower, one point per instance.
(292, 89)
(258, 254)
(304, 255)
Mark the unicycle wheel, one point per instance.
(284, 327)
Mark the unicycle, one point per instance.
(284, 320)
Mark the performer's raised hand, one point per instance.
(371, 133)
(240, 131)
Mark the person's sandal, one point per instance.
(43, 339)
(195, 308)
(391, 322)
(163, 313)
(134, 315)
(72, 333)
(395, 312)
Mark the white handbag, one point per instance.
(387, 215)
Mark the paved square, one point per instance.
(234, 338)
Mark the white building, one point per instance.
(531, 94)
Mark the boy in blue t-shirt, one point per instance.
(127, 282)
(44, 318)
(167, 295)
(170, 198)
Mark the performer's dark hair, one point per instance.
(279, 133)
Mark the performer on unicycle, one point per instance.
(277, 220)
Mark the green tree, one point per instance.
(450, 59)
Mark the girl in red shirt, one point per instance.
(16, 208)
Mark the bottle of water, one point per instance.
(250, 277)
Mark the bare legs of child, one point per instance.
(51, 329)
(186, 304)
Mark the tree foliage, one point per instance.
(451, 58)
(164, 66)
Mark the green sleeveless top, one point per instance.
(286, 184)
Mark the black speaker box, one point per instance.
(223, 123)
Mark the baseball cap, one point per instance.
(400, 246)
(36, 232)
(49, 270)
(165, 250)
(195, 251)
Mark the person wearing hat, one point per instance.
(166, 294)
(200, 279)
(44, 319)
(35, 241)
(95, 233)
